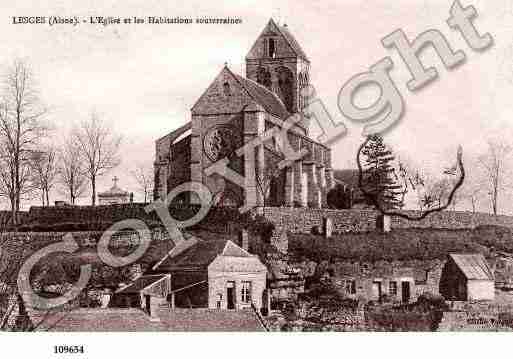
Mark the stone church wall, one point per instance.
(180, 171)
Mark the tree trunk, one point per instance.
(13, 211)
(93, 187)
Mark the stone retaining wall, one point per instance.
(304, 220)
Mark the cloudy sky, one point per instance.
(145, 78)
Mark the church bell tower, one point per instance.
(277, 61)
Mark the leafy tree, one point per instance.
(379, 183)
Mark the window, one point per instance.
(350, 286)
(272, 48)
(226, 89)
(219, 300)
(392, 288)
(246, 292)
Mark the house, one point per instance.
(467, 277)
(215, 274)
(394, 287)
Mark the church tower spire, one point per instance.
(277, 61)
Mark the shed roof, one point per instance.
(141, 283)
(473, 266)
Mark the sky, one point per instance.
(144, 78)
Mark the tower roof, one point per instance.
(292, 41)
(273, 29)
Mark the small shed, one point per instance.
(467, 277)
(147, 292)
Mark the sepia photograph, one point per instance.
(256, 168)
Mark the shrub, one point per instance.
(339, 197)
(398, 320)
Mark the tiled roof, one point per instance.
(473, 266)
(133, 319)
(198, 256)
(201, 254)
(141, 283)
(266, 98)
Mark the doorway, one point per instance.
(405, 293)
(148, 303)
(376, 290)
(230, 295)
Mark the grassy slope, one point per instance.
(403, 244)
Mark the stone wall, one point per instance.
(475, 316)
(304, 220)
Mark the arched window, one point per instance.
(286, 83)
(264, 77)
(301, 85)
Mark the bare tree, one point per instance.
(72, 175)
(21, 129)
(99, 148)
(10, 263)
(143, 175)
(265, 176)
(44, 168)
(472, 190)
(494, 164)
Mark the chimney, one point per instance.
(327, 227)
(384, 223)
(244, 239)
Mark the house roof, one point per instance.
(201, 254)
(473, 266)
(141, 283)
(136, 320)
(264, 97)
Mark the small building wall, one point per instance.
(366, 288)
(453, 284)
(217, 285)
(480, 290)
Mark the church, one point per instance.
(235, 110)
